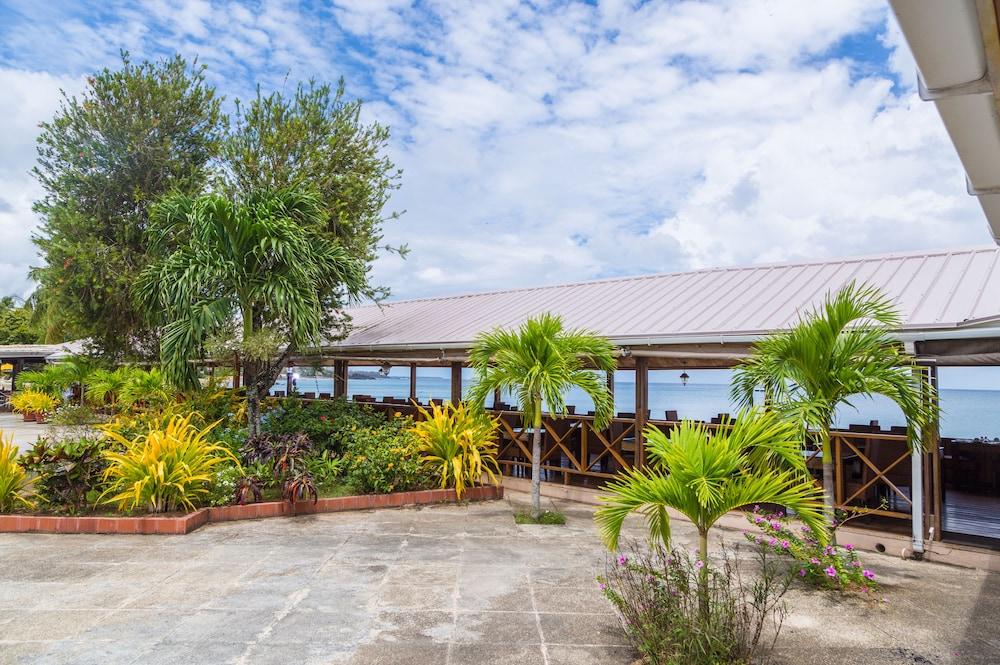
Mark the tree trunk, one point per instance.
(703, 608)
(829, 497)
(253, 413)
(536, 463)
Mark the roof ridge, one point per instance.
(756, 266)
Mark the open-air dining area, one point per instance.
(704, 323)
(500, 333)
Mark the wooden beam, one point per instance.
(456, 382)
(236, 373)
(413, 382)
(641, 407)
(340, 378)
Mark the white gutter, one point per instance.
(956, 45)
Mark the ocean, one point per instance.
(964, 413)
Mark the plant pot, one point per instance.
(40, 418)
(28, 417)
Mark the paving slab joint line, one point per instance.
(538, 620)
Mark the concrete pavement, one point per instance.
(435, 585)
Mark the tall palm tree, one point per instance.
(265, 265)
(704, 475)
(842, 350)
(540, 362)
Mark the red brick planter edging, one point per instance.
(191, 521)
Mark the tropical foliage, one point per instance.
(131, 136)
(16, 487)
(824, 565)
(458, 444)
(317, 136)
(704, 475)
(17, 323)
(32, 401)
(385, 459)
(676, 614)
(838, 353)
(539, 363)
(264, 262)
(68, 470)
(163, 470)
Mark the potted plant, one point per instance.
(32, 405)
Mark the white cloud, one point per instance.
(561, 141)
(29, 98)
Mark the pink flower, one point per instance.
(802, 572)
(622, 560)
(758, 520)
(856, 564)
(603, 586)
(831, 571)
(776, 525)
(773, 541)
(849, 547)
(699, 564)
(869, 575)
(814, 561)
(785, 544)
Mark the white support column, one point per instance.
(917, 496)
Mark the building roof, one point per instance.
(957, 49)
(50, 352)
(934, 291)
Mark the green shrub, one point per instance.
(69, 470)
(458, 445)
(222, 487)
(826, 566)
(327, 423)
(549, 517)
(75, 415)
(165, 469)
(385, 459)
(656, 595)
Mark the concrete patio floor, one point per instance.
(436, 585)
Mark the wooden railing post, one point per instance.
(838, 465)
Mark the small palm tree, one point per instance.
(704, 475)
(539, 362)
(76, 371)
(842, 350)
(755, 458)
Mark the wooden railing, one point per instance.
(871, 469)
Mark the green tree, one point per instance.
(17, 323)
(839, 352)
(316, 138)
(539, 363)
(704, 475)
(258, 264)
(133, 135)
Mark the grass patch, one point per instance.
(547, 517)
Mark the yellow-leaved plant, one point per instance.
(458, 444)
(163, 470)
(32, 401)
(16, 488)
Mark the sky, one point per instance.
(546, 142)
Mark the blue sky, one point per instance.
(552, 141)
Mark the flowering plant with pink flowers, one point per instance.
(828, 566)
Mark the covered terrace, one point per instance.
(708, 319)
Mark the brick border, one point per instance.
(188, 523)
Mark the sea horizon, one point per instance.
(966, 413)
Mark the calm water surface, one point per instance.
(965, 413)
